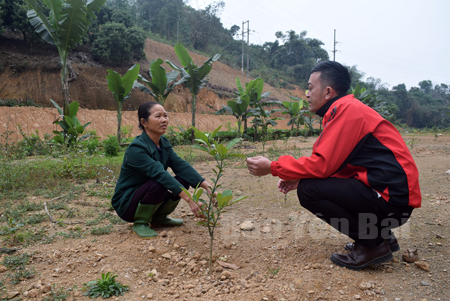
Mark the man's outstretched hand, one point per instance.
(258, 166)
(285, 186)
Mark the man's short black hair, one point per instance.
(334, 75)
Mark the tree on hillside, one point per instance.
(399, 87)
(14, 16)
(426, 86)
(356, 75)
(2, 15)
(205, 25)
(106, 46)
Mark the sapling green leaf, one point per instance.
(201, 141)
(217, 201)
(232, 143)
(237, 155)
(213, 135)
(200, 147)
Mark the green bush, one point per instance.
(182, 137)
(33, 145)
(111, 146)
(117, 43)
(92, 146)
(18, 102)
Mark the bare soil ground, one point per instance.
(285, 256)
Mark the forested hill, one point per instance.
(127, 31)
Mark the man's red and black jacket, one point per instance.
(357, 142)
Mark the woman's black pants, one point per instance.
(151, 193)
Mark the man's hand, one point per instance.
(258, 166)
(285, 186)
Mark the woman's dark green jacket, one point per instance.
(142, 163)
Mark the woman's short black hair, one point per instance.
(144, 111)
(334, 75)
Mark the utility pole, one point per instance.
(334, 46)
(248, 45)
(242, 64)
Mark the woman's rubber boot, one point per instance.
(161, 215)
(142, 218)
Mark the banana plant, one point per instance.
(70, 124)
(293, 108)
(262, 118)
(309, 118)
(371, 99)
(246, 99)
(196, 77)
(213, 207)
(64, 27)
(161, 84)
(239, 107)
(121, 87)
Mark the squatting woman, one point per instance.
(146, 193)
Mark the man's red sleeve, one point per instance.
(343, 129)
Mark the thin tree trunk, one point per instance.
(119, 122)
(194, 107)
(210, 253)
(65, 87)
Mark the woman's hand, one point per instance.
(205, 185)
(285, 186)
(196, 209)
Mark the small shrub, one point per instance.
(3, 296)
(55, 294)
(126, 132)
(182, 137)
(18, 102)
(21, 273)
(13, 261)
(92, 146)
(102, 230)
(33, 145)
(17, 264)
(111, 146)
(105, 287)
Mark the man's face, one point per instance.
(317, 95)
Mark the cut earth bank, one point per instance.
(32, 119)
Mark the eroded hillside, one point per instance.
(24, 76)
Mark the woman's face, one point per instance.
(157, 121)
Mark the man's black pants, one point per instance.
(352, 208)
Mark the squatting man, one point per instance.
(361, 178)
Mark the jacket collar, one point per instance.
(321, 112)
(164, 144)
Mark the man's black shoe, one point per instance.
(392, 242)
(361, 257)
